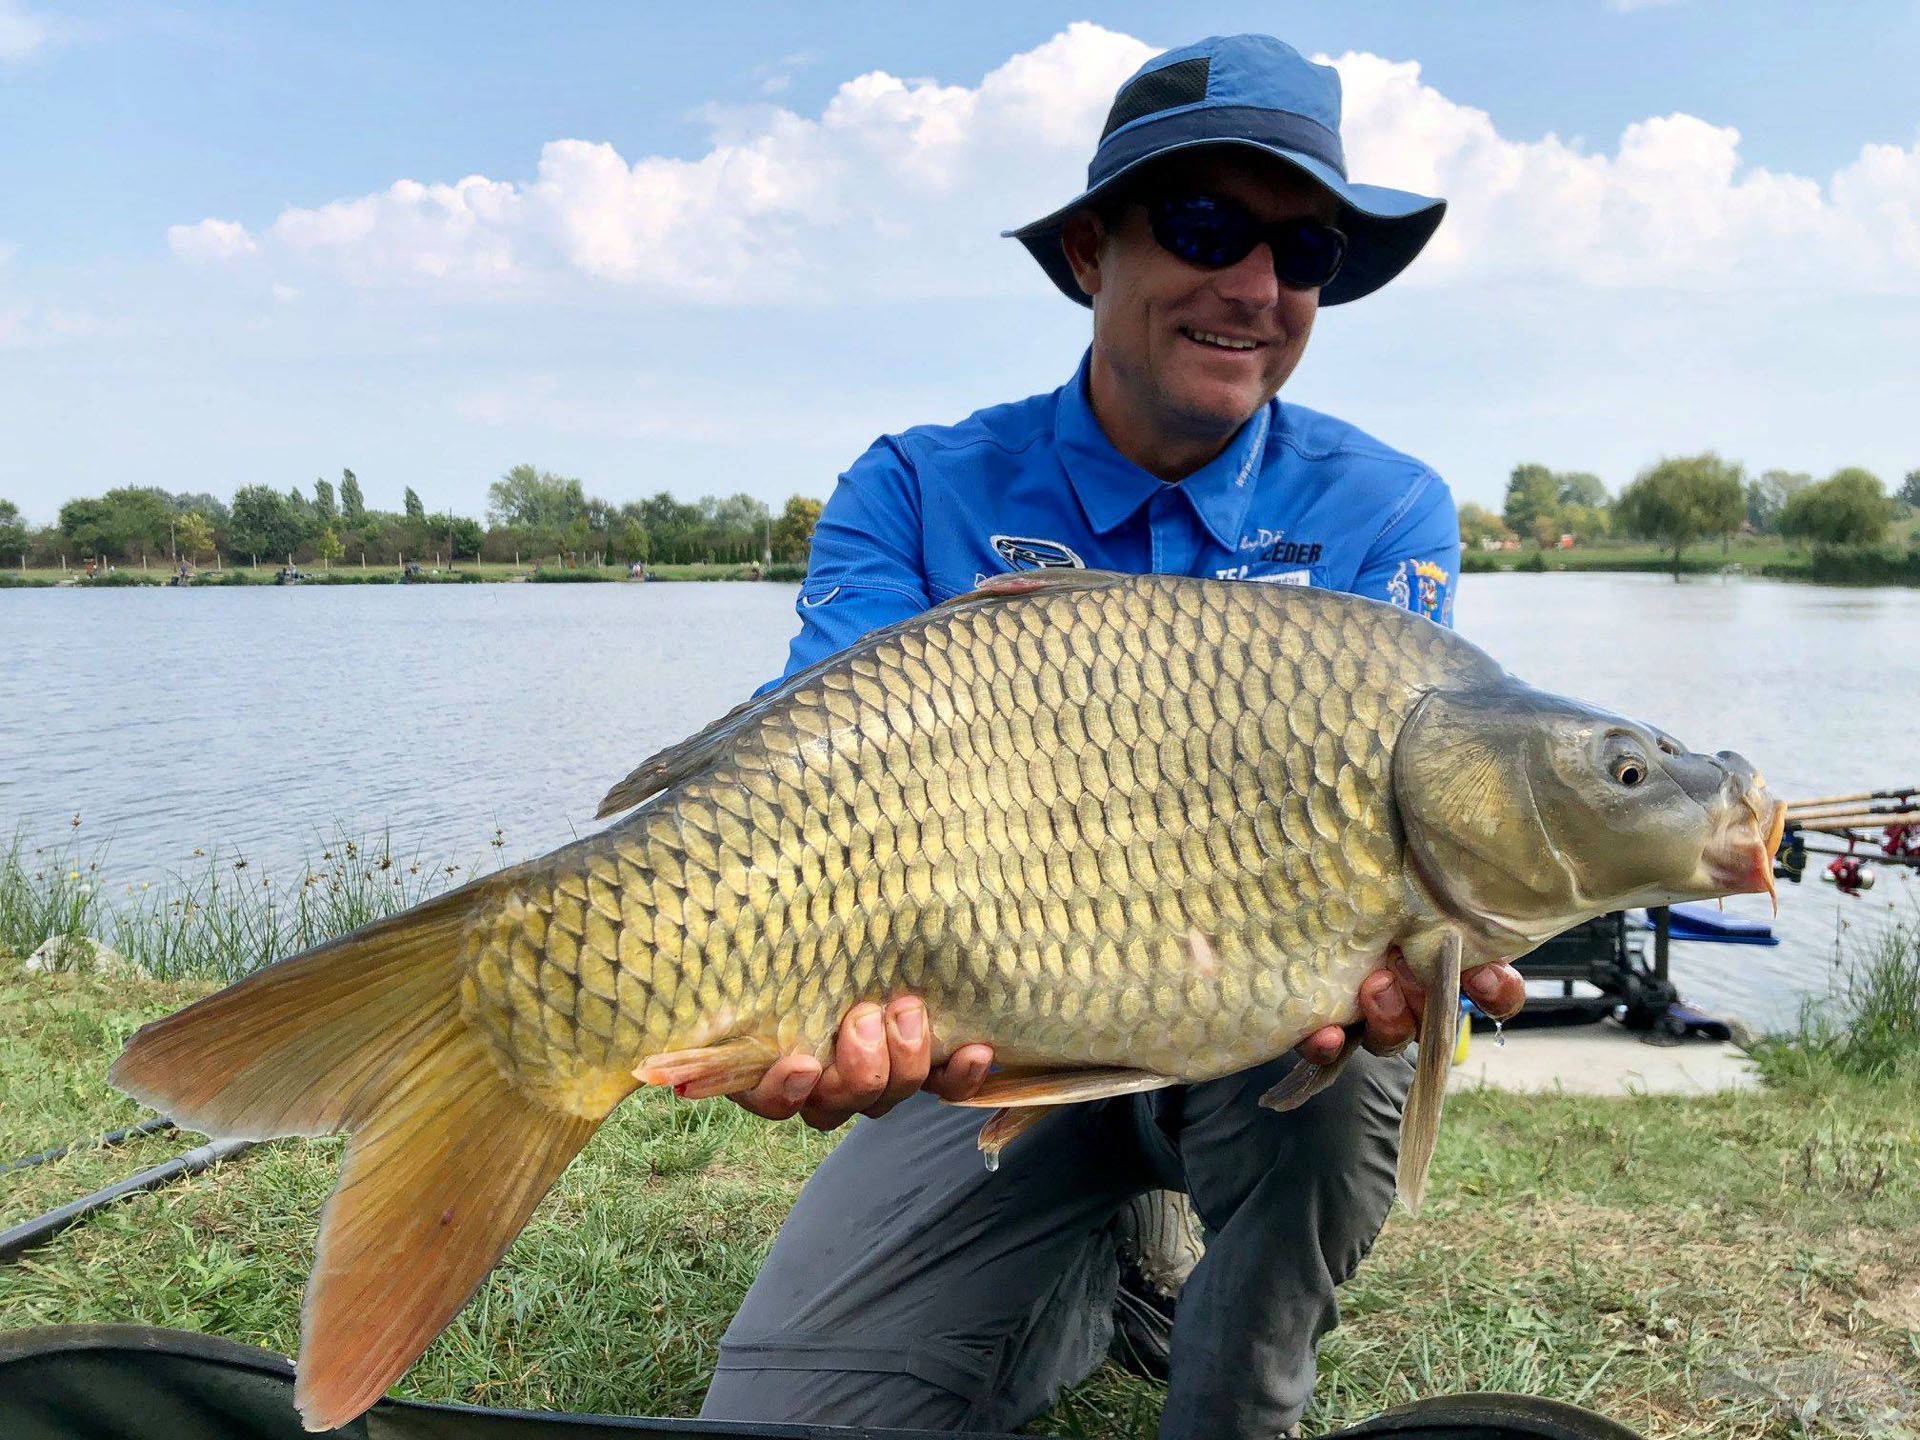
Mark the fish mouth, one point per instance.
(1739, 857)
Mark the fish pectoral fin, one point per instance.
(1420, 1122)
(1019, 1088)
(724, 1069)
(1307, 1079)
(1007, 1125)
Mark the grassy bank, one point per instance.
(468, 572)
(1897, 564)
(1735, 1266)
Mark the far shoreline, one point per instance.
(474, 573)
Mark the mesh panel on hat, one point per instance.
(1182, 83)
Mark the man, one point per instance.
(910, 1286)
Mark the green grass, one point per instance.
(1734, 1266)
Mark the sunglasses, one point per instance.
(1213, 232)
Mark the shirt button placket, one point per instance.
(1170, 523)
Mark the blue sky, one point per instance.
(721, 248)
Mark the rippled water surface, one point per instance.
(259, 720)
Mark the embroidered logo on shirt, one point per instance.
(1423, 591)
(1278, 577)
(1023, 552)
(1274, 548)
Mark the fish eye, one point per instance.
(1628, 770)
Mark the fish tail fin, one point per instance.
(1420, 1122)
(447, 1160)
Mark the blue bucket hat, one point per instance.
(1254, 92)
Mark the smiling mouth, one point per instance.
(1214, 341)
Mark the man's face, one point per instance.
(1158, 321)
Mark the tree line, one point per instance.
(1680, 501)
(531, 515)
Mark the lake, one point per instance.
(261, 722)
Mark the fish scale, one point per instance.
(1035, 815)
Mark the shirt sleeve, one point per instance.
(1416, 561)
(867, 566)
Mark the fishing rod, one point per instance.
(23, 1237)
(1853, 799)
(1880, 820)
(112, 1137)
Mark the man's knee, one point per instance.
(1333, 1158)
(748, 1393)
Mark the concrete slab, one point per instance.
(1602, 1059)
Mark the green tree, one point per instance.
(123, 523)
(13, 532)
(192, 535)
(1849, 507)
(415, 510)
(793, 531)
(1677, 502)
(328, 546)
(353, 507)
(459, 536)
(324, 509)
(627, 537)
(1768, 496)
(1577, 487)
(1479, 524)
(1533, 491)
(535, 499)
(264, 524)
(1909, 490)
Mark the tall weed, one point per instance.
(45, 891)
(1867, 1025)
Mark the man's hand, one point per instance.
(1391, 1001)
(880, 1058)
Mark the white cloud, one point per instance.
(210, 240)
(897, 187)
(22, 33)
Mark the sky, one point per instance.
(722, 248)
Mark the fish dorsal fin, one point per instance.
(1016, 583)
(693, 754)
(696, 752)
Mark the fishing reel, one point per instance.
(1850, 874)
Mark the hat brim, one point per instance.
(1385, 228)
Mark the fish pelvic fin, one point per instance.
(1420, 1122)
(447, 1158)
(1306, 1079)
(1007, 1125)
(1014, 1088)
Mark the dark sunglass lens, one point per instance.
(1308, 255)
(1202, 230)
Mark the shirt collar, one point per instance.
(1111, 487)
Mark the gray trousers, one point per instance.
(912, 1287)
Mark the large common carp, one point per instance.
(1131, 831)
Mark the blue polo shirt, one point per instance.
(1296, 498)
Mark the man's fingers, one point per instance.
(963, 1074)
(1389, 1012)
(857, 1077)
(783, 1089)
(1497, 989)
(909, 1054)
(1323, 1046)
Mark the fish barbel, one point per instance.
(1130, 831)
